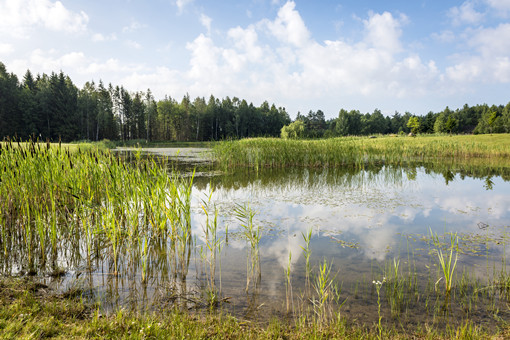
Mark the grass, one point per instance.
(54, 200)
(30, 310)
(274, 152)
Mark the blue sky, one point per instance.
(415, 56)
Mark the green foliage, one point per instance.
(414, 124)
(451, 124)
(294, 130)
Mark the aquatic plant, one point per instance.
(447, 261)
(326, 293)
(378, 285)
(251, 233)
(288, 285)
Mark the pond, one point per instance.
(367, 242)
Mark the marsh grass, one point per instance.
(358, 151)
(327, 293)
(74, 205)
(213, 247)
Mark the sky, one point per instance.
(415, 56)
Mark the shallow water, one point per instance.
(363, 222)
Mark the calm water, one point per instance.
(361, 222)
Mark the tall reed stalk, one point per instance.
(251, 233)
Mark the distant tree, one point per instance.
(414, 124)
(451, 124)
(439, 124)
(348, 123)
(293, 130)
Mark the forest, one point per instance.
(51, 107)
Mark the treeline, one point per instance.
(51, 106)
(477, 119)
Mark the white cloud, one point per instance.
(500, 5)
(465, 14)
(98, 37)
(6, 49)
(491, 63)
(181, 4)
(289, 26)
(444, 37)
(134, 26)
(279, 60)
(48, 61)
(206, 22)
(383, 31)
(133, 44)
(18, 17)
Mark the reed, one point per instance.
(326, 293)
(57, 199)
(288, 286)
(251, 232)
(213, 248)
(307, 253)
(274, 152)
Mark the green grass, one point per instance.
(31, 311)
(53, 200)
(335, 152)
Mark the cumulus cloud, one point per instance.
(289, 26)
(383, 31)
(444, 37)
(465, 14)
(18, 17)
(250, 61)
(77, 64)
(279, 60)
(490, 63)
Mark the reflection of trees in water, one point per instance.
(353, 176)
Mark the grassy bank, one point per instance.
(275, 152)
(31, 311)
